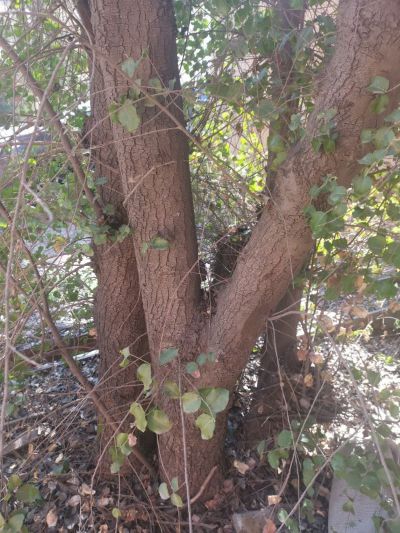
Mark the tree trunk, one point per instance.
(118, 313)
(155, 178)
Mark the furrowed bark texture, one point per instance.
(154, 168)
(367, 45)
(155, 178)
(119, 315)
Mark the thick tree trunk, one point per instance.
(118, 313)
(155, 177)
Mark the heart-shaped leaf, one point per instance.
(168, 355)
(144, 375)
(206, 424)
(140, 416)
(163, 491)
(158, 422)
(28, 493)
(216, 399)
(128, 117)
(176, 500)
(191, 402)
(172, 389)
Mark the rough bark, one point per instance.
(367, 43)
(161, 204)
(118, 313)
(156, 182)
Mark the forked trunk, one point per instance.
(156, 185)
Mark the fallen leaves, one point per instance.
(269, 527)
(51, 518)
(242, 468)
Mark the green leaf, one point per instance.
(348, 507)
(384, 288)
(202, 359)
(373, 377)
(174, 484)
(155, 83)
(172, 389)
(2, 521)
(206, 424)
(297, 4)
(285, 439)
(159, 243)
(392, 254)
(158, 421)
(265, 109)
(394, 117)
(129, 66)
(221, 7)
(14, 482)
(215, 399)
(140, 416)
(128, 117)
(191, 402)
(393, 525)
(308, 471)
(378, 85)
(276, 143)
(15, 523)
(373, 157)
(28, 493)
(317, 222)
(163, 491)
(383, 137)
(338, 193)
(102, 180)
(362, 185)
(168, 355)
(144, 375)
(116, 513)
(176, 500)
(376, 244)
(380, 103)
(231, 92)
(192, 368)
(115, 467)
(123, 444)
(367, 136)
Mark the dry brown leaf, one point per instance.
(358, 312)
(326, 323)
(92, 332)
(85, 490)
(308, 380)
(326, 376)
(305, 403)
(132, 440)
(302, 354)
(269, 527)
(273, 499)
(394, 307)
(103, 501)
(74, 501)
(103, 528)
(316, 358)
(228, 486)
(241, 467)
(51, 518)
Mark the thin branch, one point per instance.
(56, 123)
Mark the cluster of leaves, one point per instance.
(17, 493)
(208, 400)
